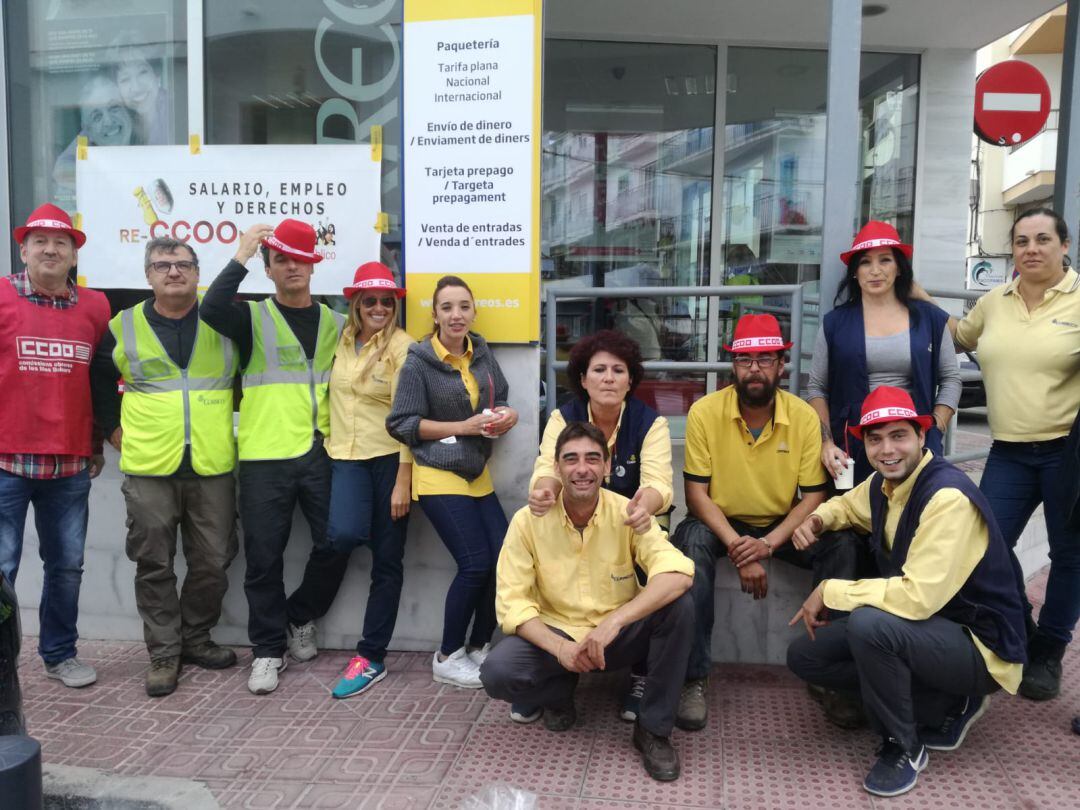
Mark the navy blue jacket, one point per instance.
(991, 602)
(849, 381)
(637, 418)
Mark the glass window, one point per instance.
(279, 72)
(627, 194)
(774, 166)
(114, 71)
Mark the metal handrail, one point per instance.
(554, 294)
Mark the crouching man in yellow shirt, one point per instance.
(943, 626)
(569, 601)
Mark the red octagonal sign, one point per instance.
(1012, 102)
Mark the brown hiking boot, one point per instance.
(660, 759)
(693, 708)
(209, 656)
(162, 676)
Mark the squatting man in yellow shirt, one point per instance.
(569, 601)
(942, 627)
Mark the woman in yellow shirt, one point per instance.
(450, 404)
(1027, 333)
(370, 483)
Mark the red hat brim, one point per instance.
(907, 250)
(272, 243)
(23, 231)
(925, 421)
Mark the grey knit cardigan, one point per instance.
(428, 388)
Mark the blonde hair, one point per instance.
(354, 326)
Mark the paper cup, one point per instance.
(489, 412)
(846, 479)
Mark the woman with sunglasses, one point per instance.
(451, 402)
(878, 334)
(370, 483)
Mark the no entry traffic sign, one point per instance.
(1012, 102)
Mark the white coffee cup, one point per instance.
(846, 479)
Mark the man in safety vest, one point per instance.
(174, 430)
(49, 327)
(286, 345)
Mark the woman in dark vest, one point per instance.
(603, 370)
(879, 335)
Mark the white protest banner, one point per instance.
(130, 194)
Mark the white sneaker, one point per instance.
(479, 656)
(302, 642)
(457, 670)
(264, 675)
(71, 672)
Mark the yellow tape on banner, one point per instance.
(382, 222)
(194, 144)
(376, 143)
(80, 280)
(76, 221)
(81, 145)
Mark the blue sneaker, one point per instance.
(949, 735)
(524, 713)
(896, 771)
(359, 675)
(631, 703)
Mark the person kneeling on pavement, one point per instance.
(751, 450)
(569, 601)
(942, 628)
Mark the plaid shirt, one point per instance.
(31, 465)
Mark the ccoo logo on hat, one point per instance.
(48, 217)
(757, 333)
(296, 239)
(888, 404)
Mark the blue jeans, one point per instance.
(1018, 477)
(360, 516)
(60, 515)
(472, 530)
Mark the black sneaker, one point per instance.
(1042, 674)
(1076, 725)
(896, 771)
(949, 735)
(660, 759)
(559, 720)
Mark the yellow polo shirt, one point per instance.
(572, 579)
(755, 482)
(431, 481)
(359, 407)
(1030, 360)
(951, 540)
(655, 461)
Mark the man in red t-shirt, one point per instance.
(49, 328)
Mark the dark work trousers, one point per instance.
(519, 672)
(269, 493)
(835, 556)
(204, 512)
(360, 516)
(910, 673)
(472, 529)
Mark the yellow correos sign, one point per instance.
(472, 159)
